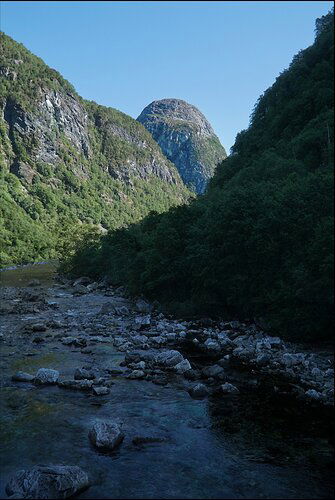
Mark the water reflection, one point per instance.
(20, 276)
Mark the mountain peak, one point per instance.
(179, 110)
(186, 138)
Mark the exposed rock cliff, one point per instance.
(186, 138)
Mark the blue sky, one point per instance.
(219, 56)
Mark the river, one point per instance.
(248, 446)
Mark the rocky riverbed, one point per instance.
(105, 397)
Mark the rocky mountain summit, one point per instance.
(68, 161)
(186, 138)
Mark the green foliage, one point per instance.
(51, 206)
(259, 242)
(26, 74)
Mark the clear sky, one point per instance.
(219, 56)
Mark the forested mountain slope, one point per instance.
(259, 243)
(68, 165)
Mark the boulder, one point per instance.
(106, 434)
(262, 344)
(46, 376)
(313, 394)
(82, 374)
(229, 389)
(317, 373)
(223, 339)
(212, 345)
(100, 390)
(107, 308)
(139, 339)
(122, 311)
(169, 358)
(80, 385)
(74, 341)
(149, 356)
(213, 371)
(47, 482)
(244, 353)
(143, 321)
(198, 391)
(139, 366)
(292, 359)
(136, 374)
(132, 357)
(22, 377)
(275, 342)
(183, 366)
(158, 340)
(100, 381)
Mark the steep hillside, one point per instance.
(259, 243)
(186, 138)
(68, 165)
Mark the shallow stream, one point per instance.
(245, 446)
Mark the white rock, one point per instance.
(46, 376)
(212, 345)
(100, 390)
(198, 391)
(143, 320)
(47, 482)
(106, 434)
(169, 358)
(136, 374)
(139, 339)
(183, 366)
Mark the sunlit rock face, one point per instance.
(186, 138)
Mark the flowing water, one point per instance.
(248, 446)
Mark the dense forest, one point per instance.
(259, 243)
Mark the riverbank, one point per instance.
(195, 400)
